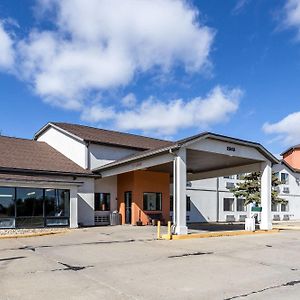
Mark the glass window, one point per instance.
(284, 207)
(29, 202)
(102, 202)
(240, 205)
(57, 203)
(230, 177)
(152, 201)
(230, 185)
(240, 176)
(228, 204)
(284, 178)
(188, 203)
(7, 202)
(274, 207)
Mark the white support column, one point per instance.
(180, 192)
(74, 207)
(266, 200)
(174, 192)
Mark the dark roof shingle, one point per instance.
(103, 136)
(23, 154)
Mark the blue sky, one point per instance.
(230, 67)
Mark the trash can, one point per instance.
(115, 218)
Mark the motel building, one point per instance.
(74, 175)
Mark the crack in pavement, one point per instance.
(12, 258)
(71, 268)
(287, 284)
(80, 244)
(189, 254)
(26, 248)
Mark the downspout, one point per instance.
(88, 156)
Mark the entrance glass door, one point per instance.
(128, 202)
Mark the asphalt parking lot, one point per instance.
(126, 262)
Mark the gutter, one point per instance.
(44, 172)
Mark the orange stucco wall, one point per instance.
(293, 158)
(139, 182)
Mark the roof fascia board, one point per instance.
(43, 129)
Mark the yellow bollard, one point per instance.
(169, 230)
(158, 230)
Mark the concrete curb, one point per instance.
(221, 234)
(29, 235)
(287, 227)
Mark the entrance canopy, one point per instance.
(202, 156)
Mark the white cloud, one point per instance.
(239, 6)
(97, 113)
(292, 15)
(98, 45)
(6, 49)
(286, 130)
(129, 100)
(165, 118)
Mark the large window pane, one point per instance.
(102, 202)
(284, 207)
(284, 178)
(7, 202)
(152, 201)
(29, 202)
(274, 207)
(57, 203)
(228, 204)
(240, 205)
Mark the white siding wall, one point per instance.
(65, 144)
(203, 195)
(101, 155)
(293, 197)
(86, 202)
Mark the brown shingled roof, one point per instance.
(23, 154)
(96, 135)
